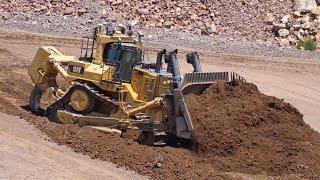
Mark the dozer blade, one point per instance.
(209, 77)
(195, 83)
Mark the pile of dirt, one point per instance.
(196, 16)
(244, 130)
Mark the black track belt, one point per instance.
(51, 111)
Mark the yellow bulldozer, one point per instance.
(112, 88)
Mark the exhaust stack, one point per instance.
(193, 58)
(159, 60)
(173, 67)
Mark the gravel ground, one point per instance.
(80, 26)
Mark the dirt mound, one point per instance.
(248, 131)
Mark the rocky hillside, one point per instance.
(239, 17)
(290, 21)
(301, 24)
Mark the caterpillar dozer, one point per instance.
(112, 88)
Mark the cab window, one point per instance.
(110, 53)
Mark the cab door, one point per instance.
(124, 65)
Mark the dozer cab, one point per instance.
(113, 89)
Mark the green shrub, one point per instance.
(308, 44)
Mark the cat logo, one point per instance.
(76, 69)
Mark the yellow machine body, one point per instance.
(116, 92)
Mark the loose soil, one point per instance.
(238, 128)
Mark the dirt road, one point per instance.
(25, 153)
(294, 80)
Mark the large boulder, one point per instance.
(304, 5)
(283, 32)
(69, 11)
(284, 42)
(298, 35)
(315, 12)
(278, 26)
(143, 11)
(269, 19)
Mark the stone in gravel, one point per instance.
(285, 19)
(151, 24)
(159, 24)
(292, 40)
(6, 16)
(278, 26)
(158, 165)
(313, 32)
(197, 31)
(283, 32)
(304, 5)
(178, 10)
(305, 19)
(43, 8)
(114, 3)
(143, 11)
(69, 10)
(306, 26)
(269, 19)
(317, 37)
(133, 23)
(212, 28)
(296, 27)
(291, 30)
(316, 22)
(194, 17)
(82, 12)
(168, 24)
(296, 14)
(284, 42)
(302, 32)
